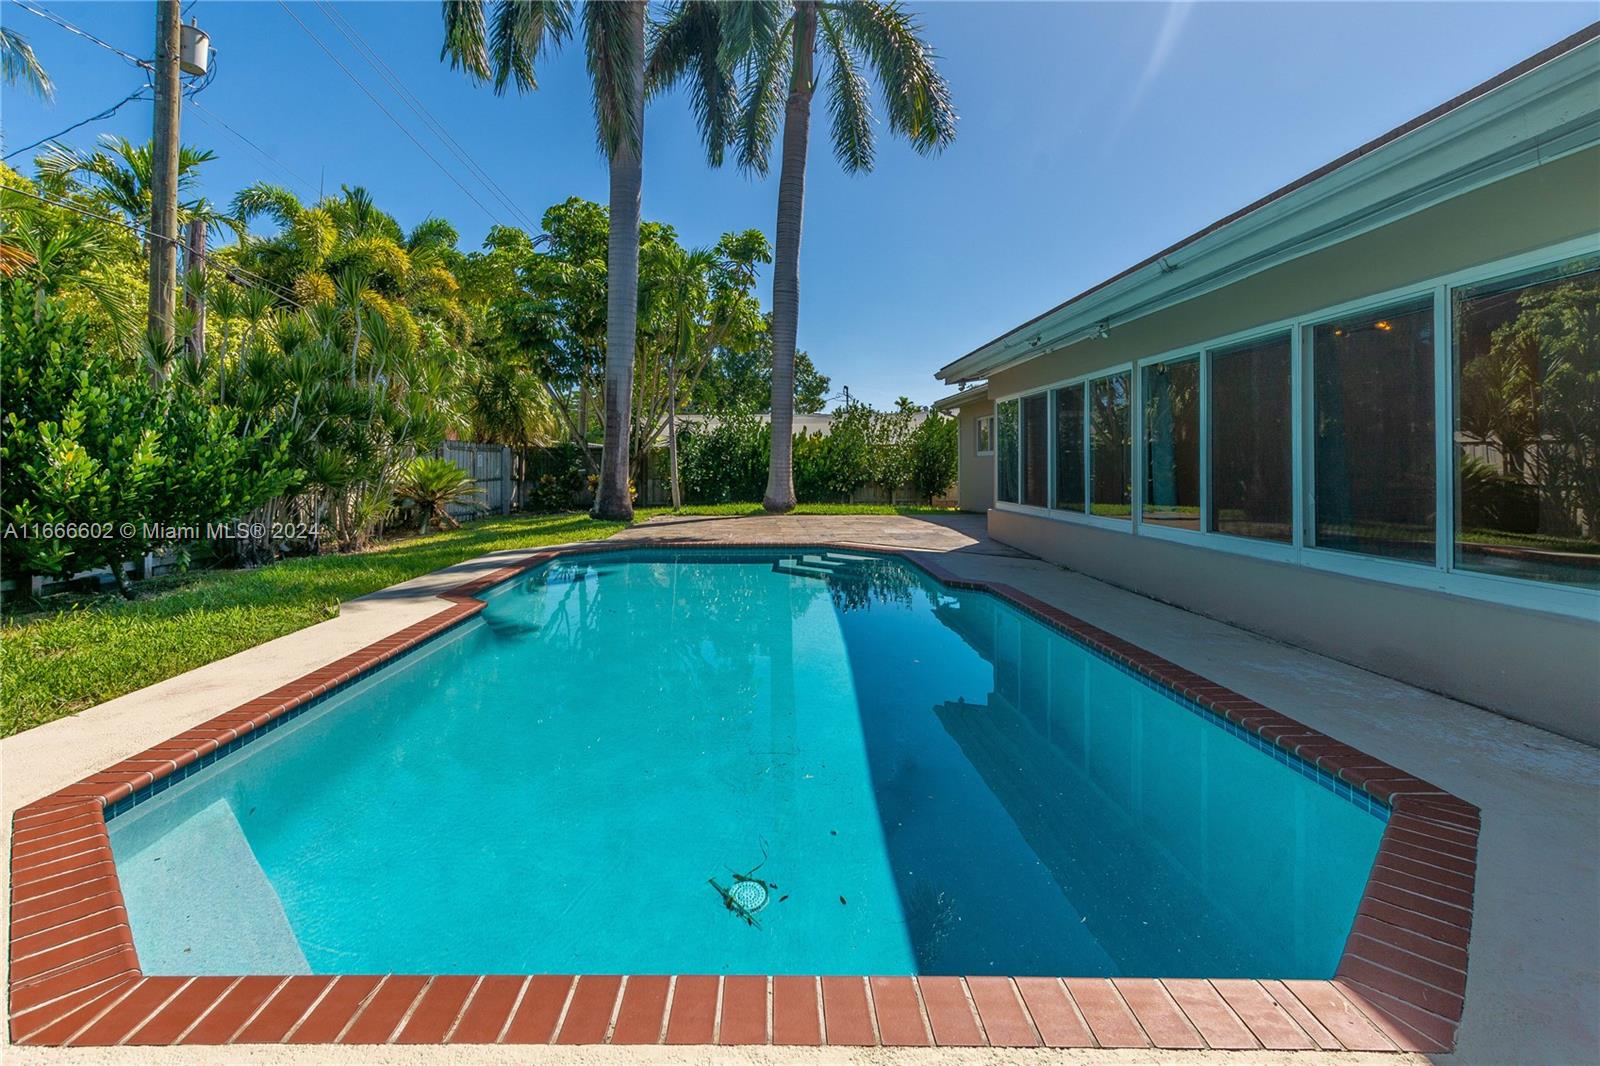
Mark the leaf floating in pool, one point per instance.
(733, 904)
(833, 832)
(841, 901)
(783, 897)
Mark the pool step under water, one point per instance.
(821, 566)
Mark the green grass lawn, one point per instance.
(84, 650)
(62, 660)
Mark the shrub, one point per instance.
(108, 463)
(933, 452)
(831, 467)
(724, 461)
(557, 479)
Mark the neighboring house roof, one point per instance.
(1546, 106)
(956, 400)
(818, 423)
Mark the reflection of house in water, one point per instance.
(1151, 820)
(1361, 406)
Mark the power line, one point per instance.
(85, 34)
(107, 113)
(418, 108)
(211, 116)
(403, 128)
(228, 268)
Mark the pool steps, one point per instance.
(821, 566)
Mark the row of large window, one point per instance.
(1216, 449)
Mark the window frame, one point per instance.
(1442, 575)
(977, 435)
(995, 454)
(1306, 396)
(1141, 471)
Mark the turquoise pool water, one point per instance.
(922, 780)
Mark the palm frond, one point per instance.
(432, 232)
(849, 100)
(766, 87)
(915, 94)
(466, 38)
(613, 40)
(19, 66)
(749, 30)
(265, 198)
(688, 46)
(521, 34)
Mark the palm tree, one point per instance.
(502, 41)
(774, 45)
(121, 172)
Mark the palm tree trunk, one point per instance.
(786, 262)
(672, 434)
(622, 299)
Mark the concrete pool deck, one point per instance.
(1532, 981)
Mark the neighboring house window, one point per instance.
(985, 433)
(1252, 454)
(1006, 451)
(1036, 450)
(1526, 442)
(1373, 445)
(1171, 400)
(1069, 448)
(1111, 446)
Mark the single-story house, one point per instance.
(1361, 414)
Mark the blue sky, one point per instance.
(1090, 136)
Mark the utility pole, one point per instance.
(164, 175)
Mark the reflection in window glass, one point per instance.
(1069, 448)
(1251, 452)
(1373, 459)
(1111, 446)
(1527, 430)
(1035, 450)
(985, 435)
(1006, 452)
(1172, 444)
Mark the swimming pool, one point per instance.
(748, 762)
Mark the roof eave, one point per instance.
(1534, 112)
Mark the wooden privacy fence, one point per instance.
(491, 467)
(505, 484)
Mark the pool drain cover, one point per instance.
(751, 895)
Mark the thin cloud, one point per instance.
(1166, 42)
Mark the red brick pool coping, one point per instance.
(74, 976)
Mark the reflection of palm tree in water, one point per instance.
(880, 581)
(930, 919)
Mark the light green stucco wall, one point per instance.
(1540, 667)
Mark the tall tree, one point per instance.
(502, 41)
(775, 47)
